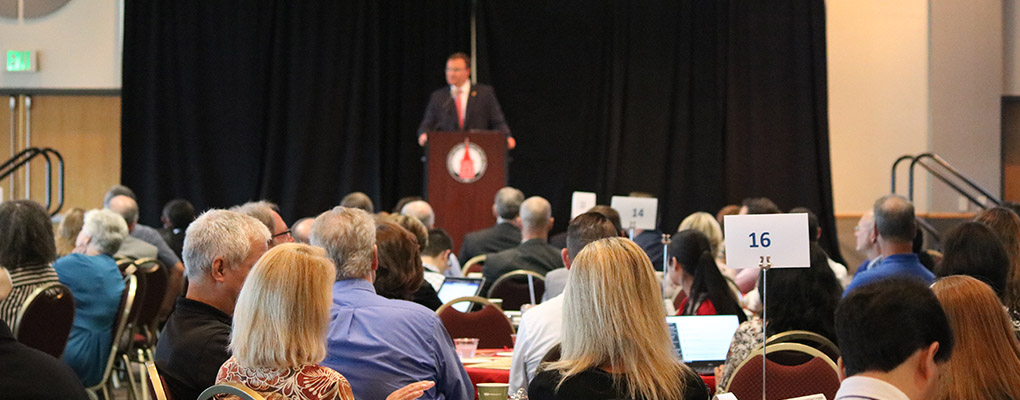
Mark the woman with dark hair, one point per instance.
(27, 251)
(1006, 225)
(692, 267)
(797, 299)
(400, 274)
(972, 249)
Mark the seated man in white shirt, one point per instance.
(540, 326)
(894, 339)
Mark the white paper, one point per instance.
(725, 396)
(779, 238)
(581, 202)
(636, 212)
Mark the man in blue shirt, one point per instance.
(895, 228)
(379, 344)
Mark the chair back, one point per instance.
(514, 289)
(157, 388)
(489, 325)
(811, 339)
(236, 389)
(120, 322)
(816, 375)
(45, 319)
(155, 278)
(475, 264)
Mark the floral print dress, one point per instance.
(307, 382)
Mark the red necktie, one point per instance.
(460, 110)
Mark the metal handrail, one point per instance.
(22, 158)
(917, 160)
(896, 164)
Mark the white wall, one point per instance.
(79, 47)
(878, 96)
(1011, 47)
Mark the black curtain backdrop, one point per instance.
(702, 103)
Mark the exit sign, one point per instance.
(21, 61)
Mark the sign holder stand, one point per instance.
(666, 239)
(765, 264)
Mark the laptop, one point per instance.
(454, 287)
(702, 341)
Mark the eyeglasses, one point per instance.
(456, 69)
(286, 232)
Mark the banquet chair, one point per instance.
(513, 288)
(819, 342)
(492, 328)
(139, 341)
(236, 389)
(157, 388)
(44, 320)
(120, 322)
(785, 380)
(475, 264)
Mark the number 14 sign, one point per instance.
(780, 238)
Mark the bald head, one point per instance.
(302, 230)
(894, 219)
(420, 210)
(507, 203)
(126, 207)
(536, 217)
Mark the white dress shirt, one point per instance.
(539, 331)
(865, 388)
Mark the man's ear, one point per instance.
(841, 370)
(445, 255)
(927, 370)
(494, 213)
(551, 221)
(375, 257)
(566, 258)
(218, 269)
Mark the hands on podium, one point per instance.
(510, 141)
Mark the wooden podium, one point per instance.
(464, 172)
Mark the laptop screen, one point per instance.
(459, 287)
(702, 337)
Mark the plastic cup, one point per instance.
(493, 391)
(466, 347)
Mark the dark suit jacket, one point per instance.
(535, 255)
(483, 111)
(493, 239)
(27, 373)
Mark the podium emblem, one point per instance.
(466, 162)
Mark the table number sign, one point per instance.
(581, 202)
(781, 239)
(637, 212)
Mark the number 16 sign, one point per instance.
(781, 238)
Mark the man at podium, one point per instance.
(463, 106)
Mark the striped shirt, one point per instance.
(24, 281)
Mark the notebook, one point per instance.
(459, 287)
(702, 341)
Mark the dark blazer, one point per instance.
(496, 238)
(27, 373)
(534, 255)
(483, 111)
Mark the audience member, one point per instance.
(435, 257)
(422, 211)
(380, 344)
(540, 327)
(556, 280)
(1006, 225)
(730, 209)
(814, 234)
(97, 285)
(534, 253)
(692, 267)
(220, 248)
(400, 274)
(972, 249)
(402, 202)
(704, 223)
(986, 360)
(26, 251)
(798, 299)
(269, 215)
(28, 373)
(867, 242)
(302, 229)
(280, 325)
(67, 230)
(895, 229)
(504, 235)
(615, 341)
(358, 200)
(747, 278)
(894, 340)
(177, 215)
(412, 225)
(131, 247)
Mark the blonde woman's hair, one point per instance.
(613, 317)
(705, 223)
(282, 314)
(986, 359)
